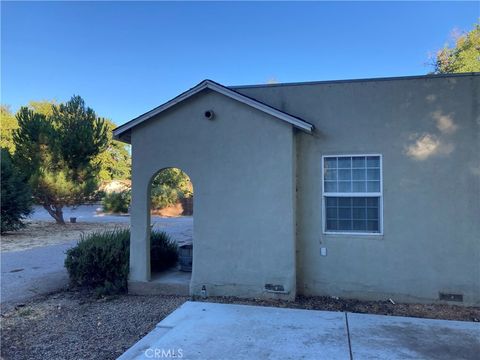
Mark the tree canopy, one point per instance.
(169, 186)
(9, 124)
(115, 161)
(56, 153)
(463, 57)
(15, 195)
(44, 107)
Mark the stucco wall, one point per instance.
(241, 167)
(428, 131)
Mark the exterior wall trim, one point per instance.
(374, 79)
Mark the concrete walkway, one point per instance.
(200, 330)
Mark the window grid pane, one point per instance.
(346, 174)
(356, 214)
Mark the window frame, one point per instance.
(352, 194)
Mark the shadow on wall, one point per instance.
(428, 144)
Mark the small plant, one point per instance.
(101, 259)
(117, 202)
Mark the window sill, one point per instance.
(341, 236)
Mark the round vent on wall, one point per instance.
(209, 114)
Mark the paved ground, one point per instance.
(86, 213)
(180, 228)
(219, 331)
(31, 272)
(40, 270)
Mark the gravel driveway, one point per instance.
(32, 272)
(179, 228)
(85, 213)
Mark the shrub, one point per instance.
(117, 202)
(101, 259)
(15, 194)
(164, 252)
(169, 187)
(98, 196)
(163, 196)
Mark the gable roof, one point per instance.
(120, 132)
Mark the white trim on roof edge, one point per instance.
(209, 84)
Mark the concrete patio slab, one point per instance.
(168, 282)
(394, 337)
(199, 330)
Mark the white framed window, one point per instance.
(352, 194)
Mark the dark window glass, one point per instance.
(356, 214)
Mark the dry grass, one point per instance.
(42, 233)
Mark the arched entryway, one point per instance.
(240, 163)
(171, 213)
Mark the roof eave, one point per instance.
(124, 129)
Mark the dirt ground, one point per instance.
(74, 324)
(41, 233)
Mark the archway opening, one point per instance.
(171, 204)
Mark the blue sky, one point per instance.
(126, 58)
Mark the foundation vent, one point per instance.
(450, 297)
(275, 288)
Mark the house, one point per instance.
(364, 189)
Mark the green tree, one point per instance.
(56, 154)
(463, 57)
(44, 107)
(115, 161)
(169, 186)
(8, 124)
(16, 196)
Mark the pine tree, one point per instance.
(16, 197)
(56, 153)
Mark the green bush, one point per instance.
(101, 259)
(163, 196)
(117, 202)
(169, 187)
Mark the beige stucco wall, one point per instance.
(242, 168)
(428, 131)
